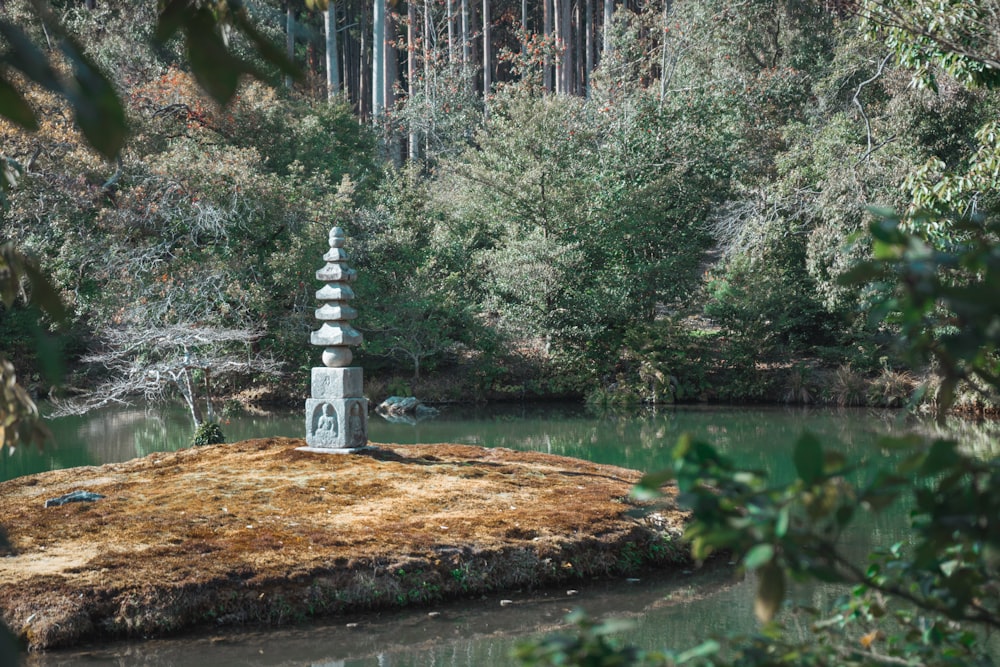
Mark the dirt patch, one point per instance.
(258, 532)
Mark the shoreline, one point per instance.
(258, 533)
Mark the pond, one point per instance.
(672, 609)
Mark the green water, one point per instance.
(759, 437)
(670, 610)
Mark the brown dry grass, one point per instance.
(259, 532)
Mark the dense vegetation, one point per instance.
(672, 223)
(685, 218)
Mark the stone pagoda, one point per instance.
(337, 411)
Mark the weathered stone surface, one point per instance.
(399, 404)
(337, 382)
(330, 312)
(337, 412)
(334, 334)
(335, 273)
(335, 292)
(336, 423)
(78, 496)
(409, 406)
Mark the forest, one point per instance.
(768, 200)
(620, 203)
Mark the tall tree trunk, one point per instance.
(289, 39)
(524, 27)
(588, 69)
(663, 53)
(466, 43)
(558, 38)
(428, 73)
(332, 53)
(609, 10)
(577, 82)
(391, 61)
(547, 32)
(450, 16)
(411, 71)
(378, 60)
(364, 66)
(566, 37)
(487, 48)
(389, 84)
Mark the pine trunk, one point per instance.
(332, 53)
(588, 68)
(411, 71)
(547, 31)
(466, 43)
(289, 39)
(609, 10)
(378, 60)
(566, 37)
(487, 47)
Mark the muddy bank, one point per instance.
(257, 532)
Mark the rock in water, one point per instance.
(410, 405)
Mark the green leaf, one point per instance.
(99, 112)
(884, 213)
(43, 293)
(265, 47)
(14, 108)
(25, 56)
(770, 592)
(215, 68)
(808, 458)
(170, 19)
(759, 556)
(10, 653)
(860, 274)
(942, 455)
(702, 650)
(649, 486)
(781, 526)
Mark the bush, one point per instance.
(209, 433)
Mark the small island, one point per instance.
(260, 532)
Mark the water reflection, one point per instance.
(758, 437)
(480, 632)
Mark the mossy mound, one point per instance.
(259, 532)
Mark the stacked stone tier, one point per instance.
(336, 334)
(337, 412)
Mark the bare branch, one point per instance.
(154, 363)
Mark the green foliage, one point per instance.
(957, 37)
(208, 433)
(99, 113)
(944, 576)
(575, 228)
(925, 600)
(770, 299)
(440, 115)
(19, 419)
(943, 301)
(415, 279)
(593, 644)
(930, 599)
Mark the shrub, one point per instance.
(209, 433)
